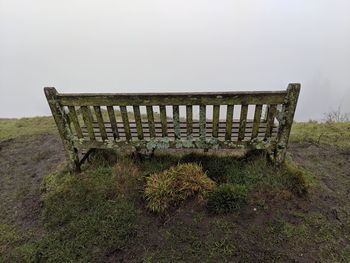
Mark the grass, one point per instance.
(173, 186)
(85, 217)
(101, 211)
(100, 215)
(227, 198)
(330, 133)
(12, 128)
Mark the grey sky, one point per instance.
(179, 45)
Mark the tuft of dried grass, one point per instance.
(174, 185)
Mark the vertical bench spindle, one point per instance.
(100, 122)
(113, 122)
(126, 124)
(150, 118)
(74, 118)
(176, 119)
(88, 120)
(216, 117)
(189, 120)
(270, 120)
(229, 119)
(256, 124)
(202, 121)
(242, 122)
(138, 121)
(163, 120)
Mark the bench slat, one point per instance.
(272, 110)
(202, 121)
(208, 98)
(138, 121)
(189, 119)
(216, 116)
(229, 120)
(100, 122)
(125, 119)
(242, 122)
(150, 117)
(257, 116)
(176, 119)
(88, 120)
(74, 118)
(163, 120)
(183, 124)
(113, 121)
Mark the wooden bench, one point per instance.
(212, 120)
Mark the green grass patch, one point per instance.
(85, 217)
(12, 128)
(331, 133)
(227, 198)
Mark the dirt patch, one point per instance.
(331, 167)
(24, 161)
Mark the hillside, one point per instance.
(49, 215)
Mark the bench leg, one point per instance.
(137, 154)
(73, 160)
(280, 155)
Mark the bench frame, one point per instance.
(63, 106)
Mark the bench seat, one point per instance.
(183, 130)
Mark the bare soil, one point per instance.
(24, 161)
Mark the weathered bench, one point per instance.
(197, 120)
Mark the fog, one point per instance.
(179, 45)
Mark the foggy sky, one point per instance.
(179, 45)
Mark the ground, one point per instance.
(275, 226)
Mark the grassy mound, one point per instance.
(91, 212)
(170, 187)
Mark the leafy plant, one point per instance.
(170, 187)
(226, 198)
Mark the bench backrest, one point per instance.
(105, 120)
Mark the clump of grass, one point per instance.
(126, 180)
(227, 198)
(299, 180)
(171, 187)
